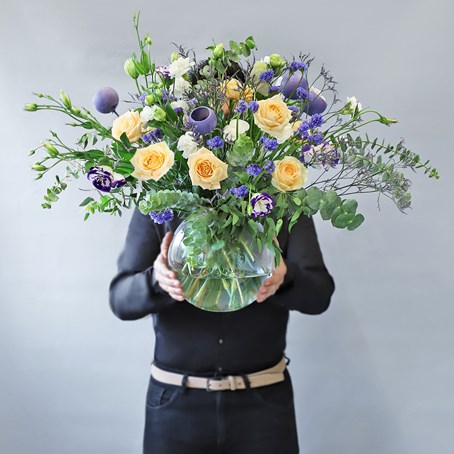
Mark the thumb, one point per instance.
(166, 243)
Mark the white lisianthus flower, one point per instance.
(181, 85)
(229, 132)
(146, 115)
(181, 103)
(266, 59)
(180, 66)
(187, 144)
(353, 103)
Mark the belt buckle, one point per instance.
(208, 384)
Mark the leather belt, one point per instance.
(231, 382)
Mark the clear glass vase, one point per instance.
(224, 274)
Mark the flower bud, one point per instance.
(38, 166)
(159, 114)
(150, 100)
(31, 107)
(65, 99)
(130, 68)
(75, 110)
(173, 56)
(276, 61)
(218, 51)
(53, 152)
(148, 40)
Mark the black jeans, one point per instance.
(182, 420)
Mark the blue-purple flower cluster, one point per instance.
(153, 136)
(240, 192)
(162, 216)
(253, 169)
(267, 76)
(215, 143)
(269, 166)
(268, 144)
(298, 65)
(307, 130)
(243, 106)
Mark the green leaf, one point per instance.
(235, 47)
(355, 222)
(86, 201)
(124, 140)
(350, 206)
(343, 220)
(327, 210)
(314, 196)
(235, 218)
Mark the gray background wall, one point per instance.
(372, 375)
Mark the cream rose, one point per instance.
(152, 162)
(206, 170)
(273, 116)
(289, 174)
(129, 123)
(234, 90)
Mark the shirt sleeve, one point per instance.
(307, 286)
(134, 291)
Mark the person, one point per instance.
(213, 347)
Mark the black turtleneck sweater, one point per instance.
(189, 339)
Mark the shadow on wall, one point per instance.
(341, 407)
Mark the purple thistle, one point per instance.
(268, 144)
(215, 142)
(240, 192)
(253, 169)
(267, 76)
(241, 107)
(163, 216)
(253, 106)
(262, 204)
(269, 166)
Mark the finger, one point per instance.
(162, 267)
(174, 284)
(173, 294)
(166, 243)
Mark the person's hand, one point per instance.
(164, 275)
(270, 285)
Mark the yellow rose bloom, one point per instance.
(129, 123)
(273, 117)
(206, 170)
(289, 174)
(152, 162)
(233, 90)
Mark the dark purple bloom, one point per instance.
(240, 192)
(163, 70)
(163, 216)
(262, 204)
(267, 76)
(178, 110)
(203, 119)
(303, 129)
(316, 138)
(253, 106)
(298, 65)
(301, 93)
(269, 166)
(103, 179)
(253, 169)
(153, 136)
(307, 147)
(241, 107)
(215, 142)
(268, 144)
(316, 121)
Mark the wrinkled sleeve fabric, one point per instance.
(307, 286)
(134, 291)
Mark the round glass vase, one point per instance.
(225, 274)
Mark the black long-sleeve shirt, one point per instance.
(209, 343)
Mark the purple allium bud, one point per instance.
(262, 204)
(215, 142)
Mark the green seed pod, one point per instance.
(65, 99)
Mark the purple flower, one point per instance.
(301, 93)
(215, 142)
(253, 106)
(167, 96)
(268, 144)
(316, 138)
(295, 110)
(274, 88)
(153, 136)
(103, 179)
(178, 110)
(253, 169)
(163, 216)
(269, 166)
(298, 65)
(303, 129)
(241, 107)
(262, 204)
(266, 76)
(316, 121)
(142, 97)
(240, 192)
(163, 70)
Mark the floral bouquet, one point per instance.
(233, 145)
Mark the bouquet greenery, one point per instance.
(233, 145)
